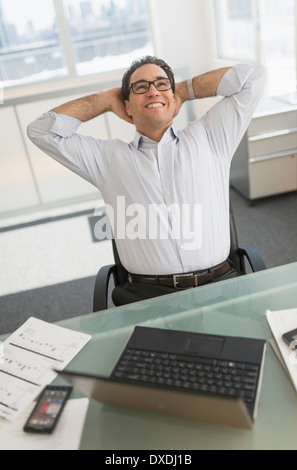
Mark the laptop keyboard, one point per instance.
(180, 372)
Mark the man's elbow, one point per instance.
(38, 134)
(36, 130)
(31, 131)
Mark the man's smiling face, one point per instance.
(154, 110)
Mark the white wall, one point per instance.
(183, 33)
(184, 37)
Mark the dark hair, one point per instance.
(139, 63)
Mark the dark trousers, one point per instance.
(129, 293)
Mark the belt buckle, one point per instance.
(175, 281)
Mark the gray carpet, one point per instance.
(270, 225)
(52, 303)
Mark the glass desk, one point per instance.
(233, 307)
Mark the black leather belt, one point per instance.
(183, 281)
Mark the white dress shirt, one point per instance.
(185, 176)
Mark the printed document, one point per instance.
(28, 358)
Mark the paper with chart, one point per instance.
(29, 356)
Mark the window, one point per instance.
(277, 49)
(260, 31)
(107, 34)
(29, 42)
(40, 40)
(236, 29)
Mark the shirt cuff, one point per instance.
(63, 125)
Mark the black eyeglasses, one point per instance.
(143, 86)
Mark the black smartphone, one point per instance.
(48, 409)
(290, 338)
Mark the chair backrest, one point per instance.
(234, 256)
(121, 273)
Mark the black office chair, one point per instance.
(238, 256)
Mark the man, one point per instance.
(176, 181)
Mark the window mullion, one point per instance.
(257, 31)
(65, 37)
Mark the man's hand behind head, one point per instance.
(117, 105)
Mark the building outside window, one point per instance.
(260, 31)
(107, 35)
(41, 40)
(29, 42)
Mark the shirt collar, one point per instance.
(170, 135)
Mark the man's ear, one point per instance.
(128, 108)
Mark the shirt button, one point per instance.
(168, 193)
(163, 168)
(182, 247)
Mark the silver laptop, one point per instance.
(211, 378)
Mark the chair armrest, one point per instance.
(100, 298)
(254, 258)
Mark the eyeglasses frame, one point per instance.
(150, 83)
